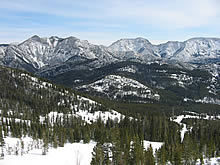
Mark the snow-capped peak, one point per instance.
(129, 44)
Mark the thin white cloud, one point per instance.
(106, 21)
(65, 8)
(169, 13)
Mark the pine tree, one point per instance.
(149, 156)
(2, 143)
(137, 151)
(45, 143)
(116, 148)
(161, 155)
(177, 156)
(98, 155)
(106, 149)
(187, 150)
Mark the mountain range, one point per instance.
(171, 66)
(39, 53)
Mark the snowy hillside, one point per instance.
(118, 87)
(66, 97)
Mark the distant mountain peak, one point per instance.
(55, 37)
(35, 37)
(131, 40)
(202, 38)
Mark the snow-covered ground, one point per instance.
(182, 79)
(130, 69)
(212, 161)
(155, 145)
(87, 116)
(208, 100)
(70, 154)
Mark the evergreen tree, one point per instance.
(98, 155)
(161, 155)
(149, 156)
(45, 143)
(2, 143)
(137, 151)
(177, 156)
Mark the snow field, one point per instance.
(70, 154)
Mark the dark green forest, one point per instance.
(119, 141)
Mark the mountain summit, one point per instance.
(56, 54)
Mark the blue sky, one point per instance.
(104, 21)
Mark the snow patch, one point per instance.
(155, 145)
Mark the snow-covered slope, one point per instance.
(35, 50)
(123, 45)
(78, 107)
(192, 50)
(54, 51)
(134, 49)
(198, 49)
(70, 154)
(118, 87)
(86, 114)
(168, 49)
(2, 50)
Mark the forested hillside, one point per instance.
(53, 116)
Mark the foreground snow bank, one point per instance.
(75, 153)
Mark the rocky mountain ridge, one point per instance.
(43, 54)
